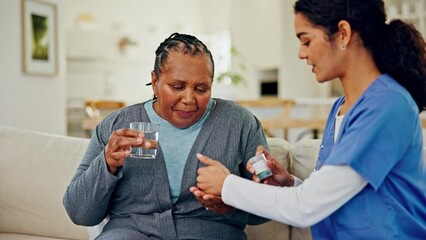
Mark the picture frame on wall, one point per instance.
(39, 24)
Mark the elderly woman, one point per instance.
(151, 198)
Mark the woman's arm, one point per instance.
(87, 196)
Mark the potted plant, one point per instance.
(234, 76)
(127, 46)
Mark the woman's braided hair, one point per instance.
(183, 43)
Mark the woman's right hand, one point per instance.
(280, 176)
(211, 202)
(118, 147)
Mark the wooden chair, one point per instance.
(314, 124)
(96, 110)
(285, 106)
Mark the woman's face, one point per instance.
(183, 89)
(322, 54)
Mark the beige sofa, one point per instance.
(35, 169)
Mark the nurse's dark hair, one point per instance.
(183, 43)
(397, 47)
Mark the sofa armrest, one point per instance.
(36, 168)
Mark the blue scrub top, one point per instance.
(381, 139)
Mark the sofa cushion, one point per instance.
(268, 231)
(304, 156)
(12, 236)
(35, 171)
(280, 149)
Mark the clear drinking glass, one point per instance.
(150, 131)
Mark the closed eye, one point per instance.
(178, 87)
(201, 90)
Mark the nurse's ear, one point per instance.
(344, 34)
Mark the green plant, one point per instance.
(126, 41)
(234, 76)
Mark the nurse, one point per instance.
(370, 176)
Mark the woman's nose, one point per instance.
(188, 97)
(302, 53)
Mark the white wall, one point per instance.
(29, 102)
(264, 33)
(255, 30)
(215, 15)
(296, 78)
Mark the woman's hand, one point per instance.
(211, 177)
(118, 147)
(211, 202)
(280, 175)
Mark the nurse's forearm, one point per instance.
(320, 195)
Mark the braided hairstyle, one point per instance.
(397, 48)
(182, 43)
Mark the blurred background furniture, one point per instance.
(285, 114)
(96, 110)
(281, 107)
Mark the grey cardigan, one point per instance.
(138, 197)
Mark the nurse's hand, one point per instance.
(280, 175)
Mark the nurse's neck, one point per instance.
(346, 105)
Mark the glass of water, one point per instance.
(150, 131)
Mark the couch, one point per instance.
(37, 167)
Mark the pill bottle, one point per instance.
(259, 165)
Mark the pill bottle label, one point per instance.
(262, 171)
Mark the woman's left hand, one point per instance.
(211, 177)
(211, 202)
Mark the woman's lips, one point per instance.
(185, 114)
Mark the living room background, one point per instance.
(261, 31)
